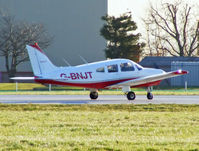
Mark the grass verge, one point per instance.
(34, 89)
(103, 92)
(99, 127)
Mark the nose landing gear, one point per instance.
(149, 94)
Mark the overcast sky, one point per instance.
(137, 7)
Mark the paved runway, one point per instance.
(103, 99)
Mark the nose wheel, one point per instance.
(93, 95)
(149, 96)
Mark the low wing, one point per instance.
(23, 78)
(149, 79)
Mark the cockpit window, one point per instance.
(101, 69)
(112, 68)
(127, 67)
(139, 67)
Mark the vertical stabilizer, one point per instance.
(39, 61)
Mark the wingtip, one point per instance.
(180, 72)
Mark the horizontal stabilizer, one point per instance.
(23, 78)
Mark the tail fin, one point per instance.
(39, 61)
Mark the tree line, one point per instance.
(171, 29)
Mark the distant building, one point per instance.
(165, 62)
(191, 79)
(74, 24)
(172, 63)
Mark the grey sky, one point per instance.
(137, 7)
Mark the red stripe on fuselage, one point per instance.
(96, 85)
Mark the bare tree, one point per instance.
(172, 29)
(14, 35)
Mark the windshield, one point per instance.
(128, 66)
(139, 67)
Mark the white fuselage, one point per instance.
(99, 74)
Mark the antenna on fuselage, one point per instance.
(66, 62)
(83, 59)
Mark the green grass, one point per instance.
(99, 127)
(103, 92)
(34, 89)
(30, 87)
(21, 86)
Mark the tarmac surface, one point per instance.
(102, 99)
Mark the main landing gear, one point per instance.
(93, 95)
(131, 95)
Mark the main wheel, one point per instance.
(94, 95)
(131, 96)
(149, 96)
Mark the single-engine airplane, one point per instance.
(108, 74)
